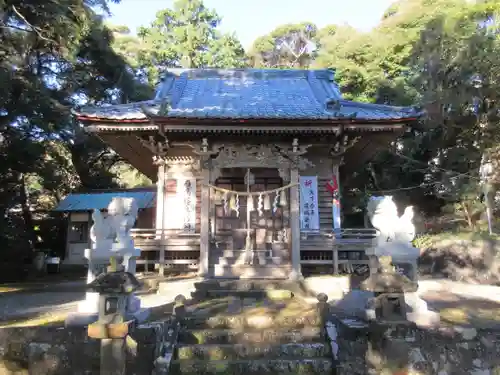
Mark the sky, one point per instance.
(249, 19)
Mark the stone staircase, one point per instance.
(268, 261)
(238, 327)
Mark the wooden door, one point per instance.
(265, 229)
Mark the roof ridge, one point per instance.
(177, 89)
(324, 87)
(151, 188)
(380, 107)
(253, 72)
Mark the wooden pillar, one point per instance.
(204, 222)
(336, 218)
(295, 223)
(207, 177)
(160, 214)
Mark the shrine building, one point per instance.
(246, 164)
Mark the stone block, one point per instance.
(255, 367)
(271, 335)
(279, 294)
(335, 287)
(215, 352)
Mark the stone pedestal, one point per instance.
(111, 238)
(98, 262)
(404, 258)
(394, 245)
(389, 288)
(396, 283)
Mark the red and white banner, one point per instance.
(333, 187)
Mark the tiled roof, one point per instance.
(248, 94)
(100, 201)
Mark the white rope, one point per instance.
(255, 193)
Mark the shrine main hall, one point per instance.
(248, 167)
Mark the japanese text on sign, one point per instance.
(309, 210)
(189, 204)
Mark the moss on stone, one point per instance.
(278, 294)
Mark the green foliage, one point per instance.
(53, 55)
(442, 55)
(429, 241)
(129, 177)
(287, 46)
(187, 36)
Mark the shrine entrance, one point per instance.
(247, 228)
(253, 228)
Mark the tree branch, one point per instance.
(34, 28)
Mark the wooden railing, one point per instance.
(344, 250)
(167, 248)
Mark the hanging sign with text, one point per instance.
(187, 192)
(309, 210)
(333, 187)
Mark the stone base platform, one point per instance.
(84, 319)
(250, 271)
(250, 327)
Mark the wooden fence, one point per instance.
(344, 251)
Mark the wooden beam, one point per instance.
(204, 222)
(160, 212)
(337, 224)
(295, 223)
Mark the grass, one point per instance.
(49, 319)
(10, 289)
(476, 317)
(429, 240)
(58, 318)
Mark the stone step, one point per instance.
(298, 288)
(274, 336)
(254, 321)
(250, 271)
(271, 294)
(232, 253)
(258, 260)
(166, 287)
(232, 284)
(216, 352)
(310, 366)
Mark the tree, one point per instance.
(187, 36)
(287, 46)
(441, 55)
(54, 56)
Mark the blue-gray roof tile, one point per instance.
(248, 94)
(100, 200)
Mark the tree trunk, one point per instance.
(490, 203)
(26, 211)
(468, 215)
(373, 176)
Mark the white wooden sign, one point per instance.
(180, 208)
(188, 198)
(309, 210)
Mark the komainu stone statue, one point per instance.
(111, 232)
(393, 265)
(394, 233)
(100, 232)
(122, 214)
(383, 215)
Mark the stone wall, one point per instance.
(69, 351)
(475, 260)
(397, 350)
